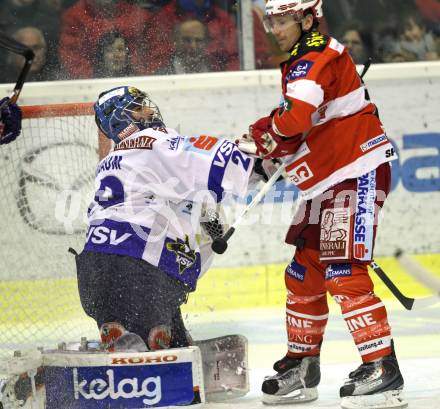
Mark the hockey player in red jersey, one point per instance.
(329, 135)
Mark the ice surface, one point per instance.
(417, 340)
(416, 335)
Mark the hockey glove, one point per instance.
(269, 144)
(212, 223)
(247, 145)
(10, 122)
(266, 168)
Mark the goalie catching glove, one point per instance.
(268, 143)
(213, 222)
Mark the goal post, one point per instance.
(47, 182)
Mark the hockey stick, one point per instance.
(407, 302)
(418, 272)
(17, 48)
(220, 244)
(366, 67)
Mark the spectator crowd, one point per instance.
(75, 39)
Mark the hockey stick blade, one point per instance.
(17, 48)
(14, 46)
(407, 302)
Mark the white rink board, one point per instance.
(224, 104)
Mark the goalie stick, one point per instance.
(220, 244)
(15, 47)
(407, 302)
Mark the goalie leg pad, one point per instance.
(159, 337)
(110, 332)
(22, 381)
(165, 378)
(225, 363)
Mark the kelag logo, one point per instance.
(108, 387)
(148, 389)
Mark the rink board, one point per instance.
(220, 288)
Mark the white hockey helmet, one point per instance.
(294, 8)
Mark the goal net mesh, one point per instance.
(47, 178)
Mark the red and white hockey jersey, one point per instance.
(326, 106)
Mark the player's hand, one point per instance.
(10, 122)
(247, 145)
(269, 144)
(266, 168)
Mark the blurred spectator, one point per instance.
(54, 4)
(415, 38)
(87, 20)
(265, 52)
(41, 14)
(430, 10)
(190, 54)
(65, 4)
(358, 41)
(112, 57)
(414, 42)
(40, 71)
(259, 7)
(374, 14)
(222, 47)
(150, 5)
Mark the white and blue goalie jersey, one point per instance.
(151, 190)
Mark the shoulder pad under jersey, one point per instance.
(310, 42)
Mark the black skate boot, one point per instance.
(374, 385)
(295, 381)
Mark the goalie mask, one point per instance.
(296, 9)
(122, 111)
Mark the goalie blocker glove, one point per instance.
(10, 122)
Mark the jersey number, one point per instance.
(238, 159)
(110, 192)
(205, 142)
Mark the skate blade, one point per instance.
(385, 400)
(297, 396)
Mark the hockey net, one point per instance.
(47, 183)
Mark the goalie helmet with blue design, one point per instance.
(122, 111)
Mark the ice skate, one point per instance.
(295, 381)
(374, 385)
